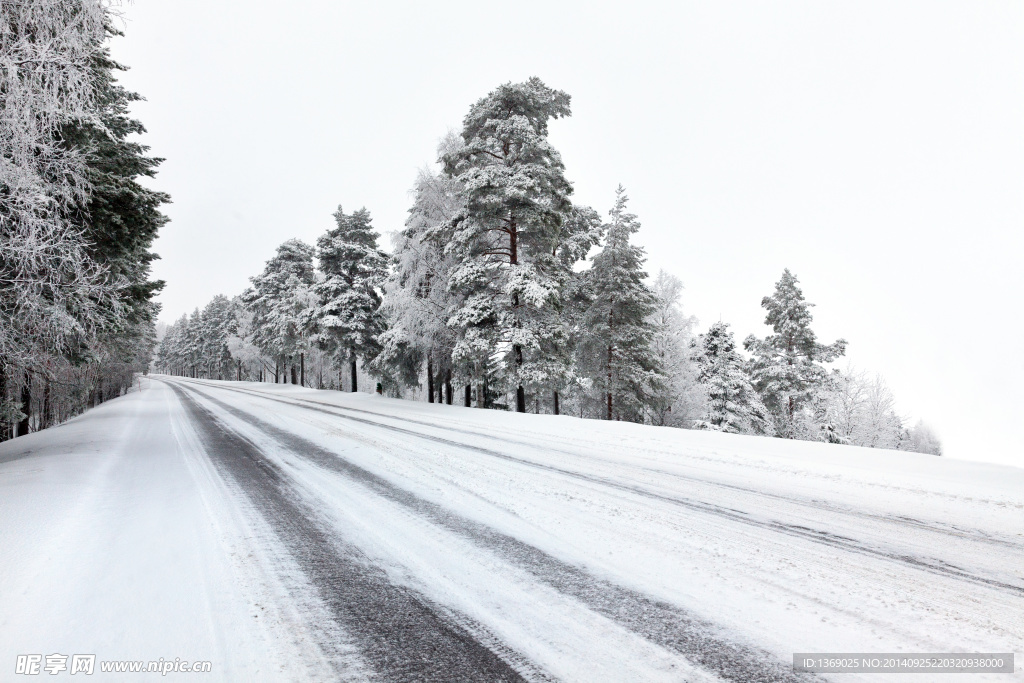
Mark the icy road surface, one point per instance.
(289, 534)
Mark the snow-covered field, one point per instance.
(289, 534)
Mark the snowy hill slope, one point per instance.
(275, 530)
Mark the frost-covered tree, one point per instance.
(923, 439)
(671, 344)
(616, 352)
(419, 301)
(283, 303)
(353, 268)
(732, 403)
(507, 236)
(787, 366)
(250, 361)
(51, 290)
(853, 408)
(879, 425)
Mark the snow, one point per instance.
(121, 536)
(119, 540)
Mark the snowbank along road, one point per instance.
(283, 533)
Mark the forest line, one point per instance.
(502, 293)
(77, 309)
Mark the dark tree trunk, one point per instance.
(352, 366)
(430, 379)
(5, 430)
(520, 391)
(469, 395)
(518, 351)
(554, 402)
(26, 405)
(513, 253)
(448, 387)
(302, 369)
(609, 370)
(295, 375)
(44, 418)
(792, 409)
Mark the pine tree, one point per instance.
(217, 324)
(353, 267)
(617, 352)
(507, 238)
(119, 218)
(786, 368)
(732, 404)
(582, 230)
(283, 303)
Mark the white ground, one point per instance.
(120, 536)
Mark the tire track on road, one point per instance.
(936, 567)
(698, 640)
(898, 520)
(401, 636)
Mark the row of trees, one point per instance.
(489, 300)
(76, 226)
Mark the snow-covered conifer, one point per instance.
(732, 403)
(616, 352)
(786, 368)
(216, 326)
(283, 302)
(353, 268)
(508, 235)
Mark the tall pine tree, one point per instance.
(617, 352)
(517, 199)
(354, 268)
(283, 303)
(786, 367)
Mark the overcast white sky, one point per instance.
(874, 148)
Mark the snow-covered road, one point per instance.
(286, 533)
